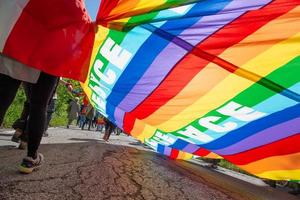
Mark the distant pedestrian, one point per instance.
(83, 111)
(100, 123)
(109, 128)
(73, 111)
(90, 113)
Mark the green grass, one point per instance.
(15, 109)
(227, 165)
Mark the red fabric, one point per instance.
(54, 36)
(106, 7)
(285, 146)
(202, 152)
(174, 154)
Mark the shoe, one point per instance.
(271, 183)
(213, 166)
(22, 145)
(16, 136)
(29, 164)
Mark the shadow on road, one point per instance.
(140, 144)
(87, 140)
(6, 134)
(6, 147)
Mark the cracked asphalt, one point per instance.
(79, 165)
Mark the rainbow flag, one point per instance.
(187, 77)
(205, 76)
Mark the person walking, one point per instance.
(109, 128)
(99, 122)
(73, 111)
(12, 73)
(55, 44)
(90, 113)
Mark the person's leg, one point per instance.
(69, 122)
(94, 124)
(118, 131)
(109, 131)
(20, 124)
(50, 111)
(8, 91)
(24, 140)
(105, 131)
(51, 107)
(90, 123)
(109, 128)
(84, 122)
(78, 120)
(40, 96)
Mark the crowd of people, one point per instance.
(88, 118)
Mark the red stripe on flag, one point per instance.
(201, 152)
(174, 154)
(191, 64)
(130, 119)
(106, 7)
(285, 146)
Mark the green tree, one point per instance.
(15, 109)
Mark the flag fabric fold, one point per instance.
(214, 78)
(204, 78)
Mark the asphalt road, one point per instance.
(79, 165)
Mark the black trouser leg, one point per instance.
(90, 123)
(8, 91)
(40, 96)
(51, 106)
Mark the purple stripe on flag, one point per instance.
(168, 58)
(190, 148)
(209, 24)
(119, 114)
(266, 136)
(167, 151)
